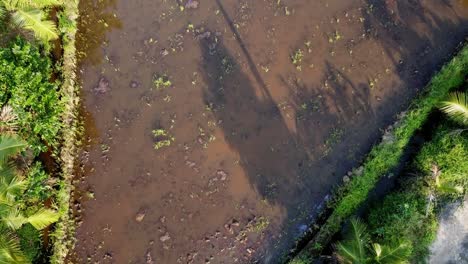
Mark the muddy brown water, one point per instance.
(258, 141)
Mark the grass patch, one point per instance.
(63, 235)
(409, 214)
(386, 156)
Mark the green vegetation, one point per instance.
(15, 209)
(359, 248)
(163, 138)
(410, 213)
(297, 58)
(38, 107)
(457, 107)
(161, 82)
(31, 101)
(386, 156)
(29, 15)
(63, 235)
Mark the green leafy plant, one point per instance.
(297, 58)
(10, 250)
(358, 248)
(31, 98)
(12, 216)
(161, 82)
(30, 15)
(163, 138)
(456, 107)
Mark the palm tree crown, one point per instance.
(29, 15)
(11, 216)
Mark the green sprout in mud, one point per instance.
(335, 37)
(334, 138)
(297, 58)
(227, 65)
(259, 226)
(161, 82)
(163, 138)
(308, 45)
(190, 28)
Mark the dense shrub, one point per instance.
(25, 86)
(38, 189)
(30, 242)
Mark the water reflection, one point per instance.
(96, 18)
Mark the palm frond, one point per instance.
(3, 11)
(13, 218)
(32, 19)
(10, 188)
(353, 249)
(10, 251)
(450, 188)
(391, 255)
(24, 4)
(43, 218)
(9, 145)
(456, 107)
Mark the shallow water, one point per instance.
(258, 141)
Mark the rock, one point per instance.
(204, 35)
(346, 179)
(134, 84)
(359, 171)
(193, 4)
(102, 87)
(139, 217)
(164, 52)
(165, 238)
(222, 174)
(149, 258)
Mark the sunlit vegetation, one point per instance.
(34, 114)
(406, 216)
(30, 16)
(162, 138)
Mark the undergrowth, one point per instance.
(409, 214)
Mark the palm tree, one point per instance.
(10, 251)
(12, 217)
(358, 248)
(29, 15)
(456, 107)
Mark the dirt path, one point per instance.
(256, 141)
(451, 243)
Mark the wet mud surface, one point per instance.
(215, 129)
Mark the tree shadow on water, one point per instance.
(295, 166)
(252, 124)
(286, 167)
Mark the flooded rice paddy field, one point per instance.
(216, 128)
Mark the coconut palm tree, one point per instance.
(12, 217)
(358, 248)
(30, 15)
(456, 107)
(10, 251)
